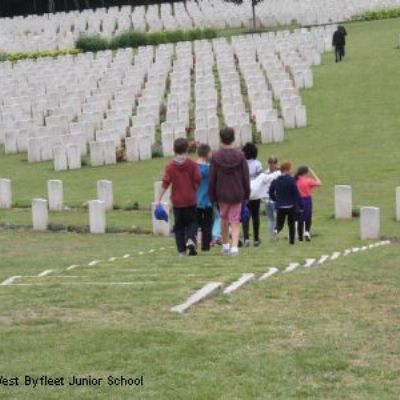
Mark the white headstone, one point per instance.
(132, 150)
(167, 141)
(160, 227)
(267, 131)
(370, 223)
(34, 150)
(60, 158)
(40, 214)
(5, 193)
(343, 202)
(289, 117)
(145, 152)
(105, 193)
(278, 131)
(246, 133)
(74, 156)
(97, 216)
(96, 154)
(55, 193)
(10, 142)
(110, 154)
(301, 116)
(213, 138)
(398, 203)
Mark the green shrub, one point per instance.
(3, 56)
(157, 38)
(135, 39)
(92, 43)
(128, 39)
(381, 14)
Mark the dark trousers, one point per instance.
(290, 213)
(205, 221)
(254, 208)
(185, 227)
(305, 218)
(339, 53)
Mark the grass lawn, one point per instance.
(330, 332)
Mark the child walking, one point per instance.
(205, 210)
(260, 190)
(183, 175)
(250, 151)
(229, 187)
(306, 180)
(284, 192)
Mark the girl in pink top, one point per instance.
(306, 180)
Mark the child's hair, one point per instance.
(227, 136)
(181, 146)
(301, 171)
(286, 166)
(250, 151)
(273, 160)
(203, 150)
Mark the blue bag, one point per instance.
(244, 213)
(160, 214)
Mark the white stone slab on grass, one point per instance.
(10, 280)
(309, 262)
(335, 255)
(55, 194)
(60, 158)
(97, 217)
(40, 215)
(245, 278)
(272, 271)
(292, 267)
(197, 297)
(370, 223)
(5, 193)
(343, 202)
(105, 193)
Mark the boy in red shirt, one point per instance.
(183, 175)
(306, 180)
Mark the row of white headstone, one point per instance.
(94, 105)
(369, 216)
(370, 221)
(60, 30)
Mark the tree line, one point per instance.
(10, 8)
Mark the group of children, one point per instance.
(224, 190)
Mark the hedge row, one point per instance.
(36, 54)
(381, 14)
(136, 39)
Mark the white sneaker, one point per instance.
(307, 236)
(274, 236)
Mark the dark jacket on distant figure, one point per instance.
(285, 193)
(229, 177)
(339, 37)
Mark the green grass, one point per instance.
(331, 332)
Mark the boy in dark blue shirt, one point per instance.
(285, 194)
(205, 210)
